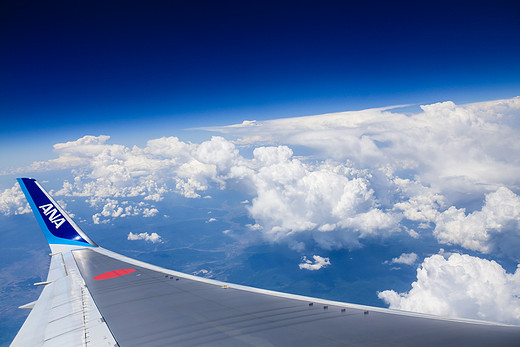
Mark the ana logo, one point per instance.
(52, 213)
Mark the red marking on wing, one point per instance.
(112, 274)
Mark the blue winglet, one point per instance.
(58, 227)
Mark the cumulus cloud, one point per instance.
(165, 164)
(422, 204)
(115, 209)
(363, 174)
(453, 148)
(290, 196)
(405, 258)
(153, 237)
(495, 226)
(319, 263)
(149, 212)
(461, 286)
(12, 201)
(104, 172)
(333, 199)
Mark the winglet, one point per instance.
(58, 227)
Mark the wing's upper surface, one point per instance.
(99, 297)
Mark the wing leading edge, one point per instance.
(98, 297)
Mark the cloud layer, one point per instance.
(365, 174)
(467, 147)
(461, 286)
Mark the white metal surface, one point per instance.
(65, 314)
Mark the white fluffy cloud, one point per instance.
(495, 226)
(461, 286)
(334, 201)
(405, 258)
(165, 164)
(104, 172)
(153, 237)
(114, 209)
(363, 173)
(452, 148)
(319, 263)
(12, 201)
(422, 204)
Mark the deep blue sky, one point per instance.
(77, 67)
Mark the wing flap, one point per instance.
(64, 314)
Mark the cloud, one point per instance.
(105, 172)
(202, 272)
(495, 226)
(422, 204)
(332, 200)
(290, 197)
(115, 209)
(72, 154)
(461, 286)
(254, 227)
(150, 212)
(319, 263)
(153, 237)
(452, 148)
(364, 174)
(405, 258)
(12, 201)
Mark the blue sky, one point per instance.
(97, 65)
(356, 201)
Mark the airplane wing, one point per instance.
(93, 296)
